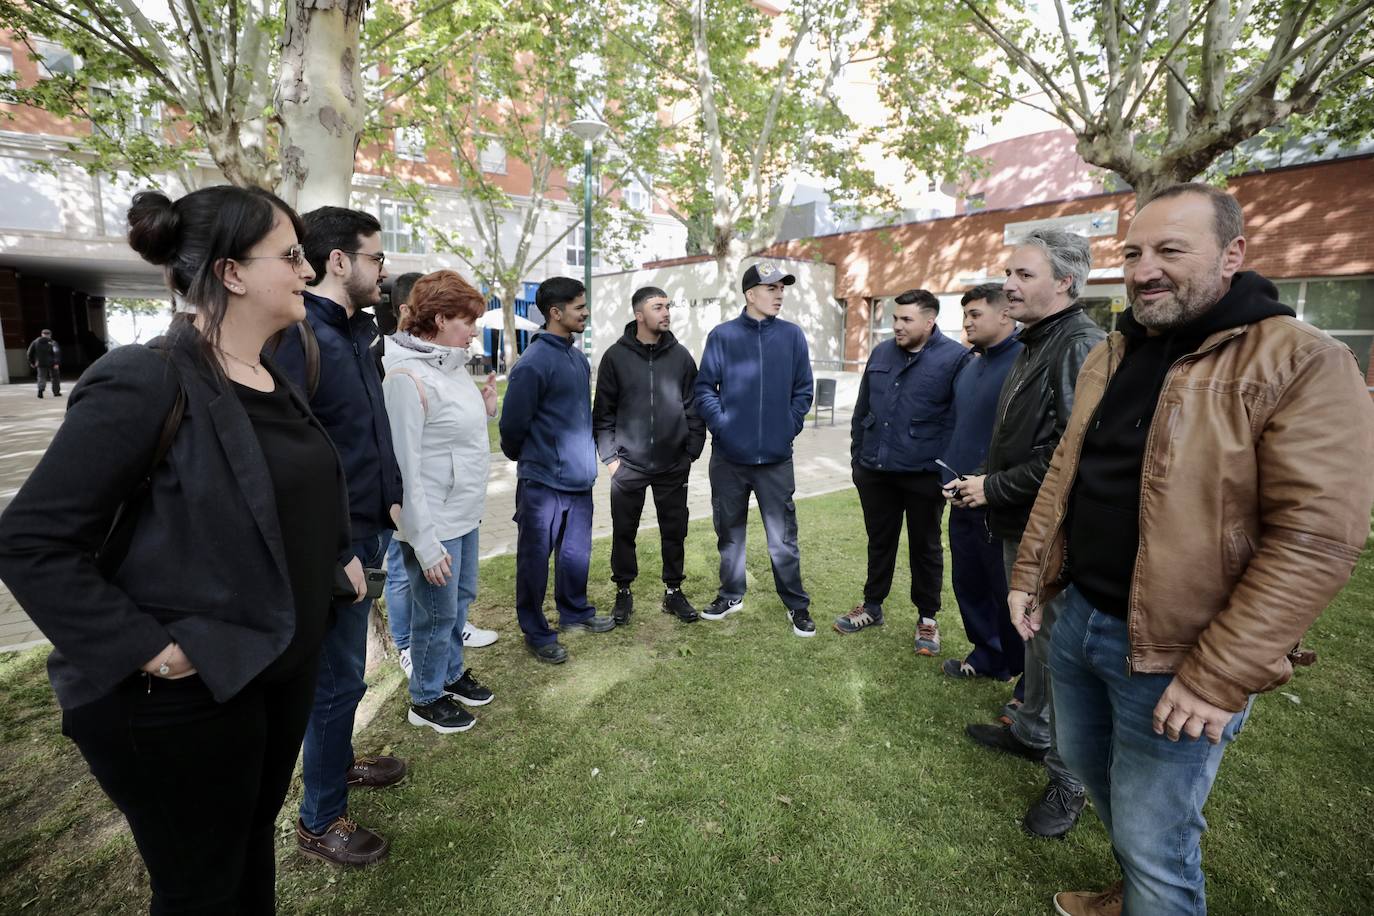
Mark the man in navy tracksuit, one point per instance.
(546, 427)
(980, 579)
(902, 422)
(754, 391)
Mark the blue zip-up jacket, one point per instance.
(546, 417)
(905, 411)
(348, 402)
(754, 388)
(976, 392)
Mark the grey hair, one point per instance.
(1068, 254)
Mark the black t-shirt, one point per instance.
(305, 482)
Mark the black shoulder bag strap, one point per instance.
(112, 552)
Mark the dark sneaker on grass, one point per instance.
(376, 772)
(624, 606)
(590, 625)
(862, 616)
(469, 691)
(342, 843)
(928, 638)
(676, 603)
(444, 715)
(1055, 813)
(964, 671)
(1000, 738)
(802, 624)
(721, 608)
(552, 653)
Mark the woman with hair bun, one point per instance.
(439, 427)
(179, 542)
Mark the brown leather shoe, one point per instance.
(1089, 903)
(376, 772)
(342, 843)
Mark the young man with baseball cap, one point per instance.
(754, 391)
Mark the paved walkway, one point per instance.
(27, 426)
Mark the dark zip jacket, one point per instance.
(348, 401)
(645, 408)
(1032, 413)
(905, 411)
(546, 416)
(976, 391)
(1104, 509)
(754, 388)
(45, 352)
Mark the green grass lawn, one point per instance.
(731, 767)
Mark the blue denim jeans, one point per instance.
(437, 615)
(397, 596)
(1148, 790)
(328, 749)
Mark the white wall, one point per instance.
(810, 302)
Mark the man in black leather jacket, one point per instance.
(1045, 275)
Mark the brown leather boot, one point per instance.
(342, 843)
(1089, 903)
(376, 772)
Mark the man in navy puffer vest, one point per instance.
(754, 391)
(546, 427)
(902, 423)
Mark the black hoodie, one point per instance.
(1104, 511)
(644, 411)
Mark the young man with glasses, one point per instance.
(344, 248)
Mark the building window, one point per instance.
(1342, 308)
(410, 144)
(53, 59)
(492, 156)
(932, 184)
(122, 117)
(976, 201)
(577, 249)
(6, 75)
(638, 198)
(399, 235)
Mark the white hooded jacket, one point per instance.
(441, 442)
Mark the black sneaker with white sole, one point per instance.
(676, 603)
(469, 691)
(444, 715)
(722, 607)
(802, 624)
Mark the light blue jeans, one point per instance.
(397, 596)
(1148, 790)
(437, 615)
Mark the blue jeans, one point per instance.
(772, 486)
(551, 521)
(438, 613)
(397, 596)
(328, 748)
(1148, 790)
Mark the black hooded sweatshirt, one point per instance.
(644, 412)
(1104, 511)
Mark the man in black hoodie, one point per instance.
(648, 434)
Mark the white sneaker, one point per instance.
(405, 662)
(476, 637)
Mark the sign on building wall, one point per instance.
(1085, 224)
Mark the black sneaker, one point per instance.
(1000, 738)
(1055, 813)
(718, 609)
(443, 715)
(469, 691)
(676, 603)
(802, 624)
(590, 625)
(551, 653)
(624, 606)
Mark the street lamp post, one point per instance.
(589, 129)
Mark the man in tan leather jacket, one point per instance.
(1209, 498)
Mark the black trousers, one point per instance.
(886, 498)
(628, 488)
(200, 782)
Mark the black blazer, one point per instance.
(205, 567)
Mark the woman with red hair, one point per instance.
(439, 427)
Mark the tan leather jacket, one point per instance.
(1255, 494)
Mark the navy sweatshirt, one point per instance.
(754, 388)
(546, 417)
(976, 391)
